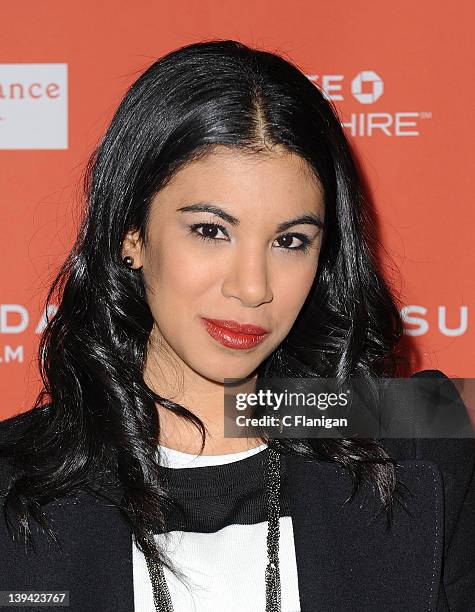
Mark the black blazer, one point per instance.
(346, 561)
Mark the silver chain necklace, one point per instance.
(161, 594)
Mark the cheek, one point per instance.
(292, 291)
(189, 275)
(178, 278)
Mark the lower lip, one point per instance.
(232, 339)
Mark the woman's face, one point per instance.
(247, 270)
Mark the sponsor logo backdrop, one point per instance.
(398, 73)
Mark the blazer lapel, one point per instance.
(346, 560)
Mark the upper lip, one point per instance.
(243, 328)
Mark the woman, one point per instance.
(223, 194)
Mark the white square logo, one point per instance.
(33, 106)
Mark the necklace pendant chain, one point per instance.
(272, 574)
(161, 594)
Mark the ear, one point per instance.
(132, 246)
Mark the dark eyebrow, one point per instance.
(309, 218)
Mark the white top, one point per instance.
(224, 567)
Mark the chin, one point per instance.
(236, 373)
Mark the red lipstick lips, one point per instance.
(233, 334)
(242, 328)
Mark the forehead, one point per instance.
(239, 178)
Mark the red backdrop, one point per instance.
(399, 74)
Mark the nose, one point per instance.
(247, 279)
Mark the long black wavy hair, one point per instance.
(96, 416)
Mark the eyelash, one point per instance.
(303, 248)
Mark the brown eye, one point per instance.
(287, 240)
(209, 231)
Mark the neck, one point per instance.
(178, 434)
(173, 380)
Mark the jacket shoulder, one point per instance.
(454, 457)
